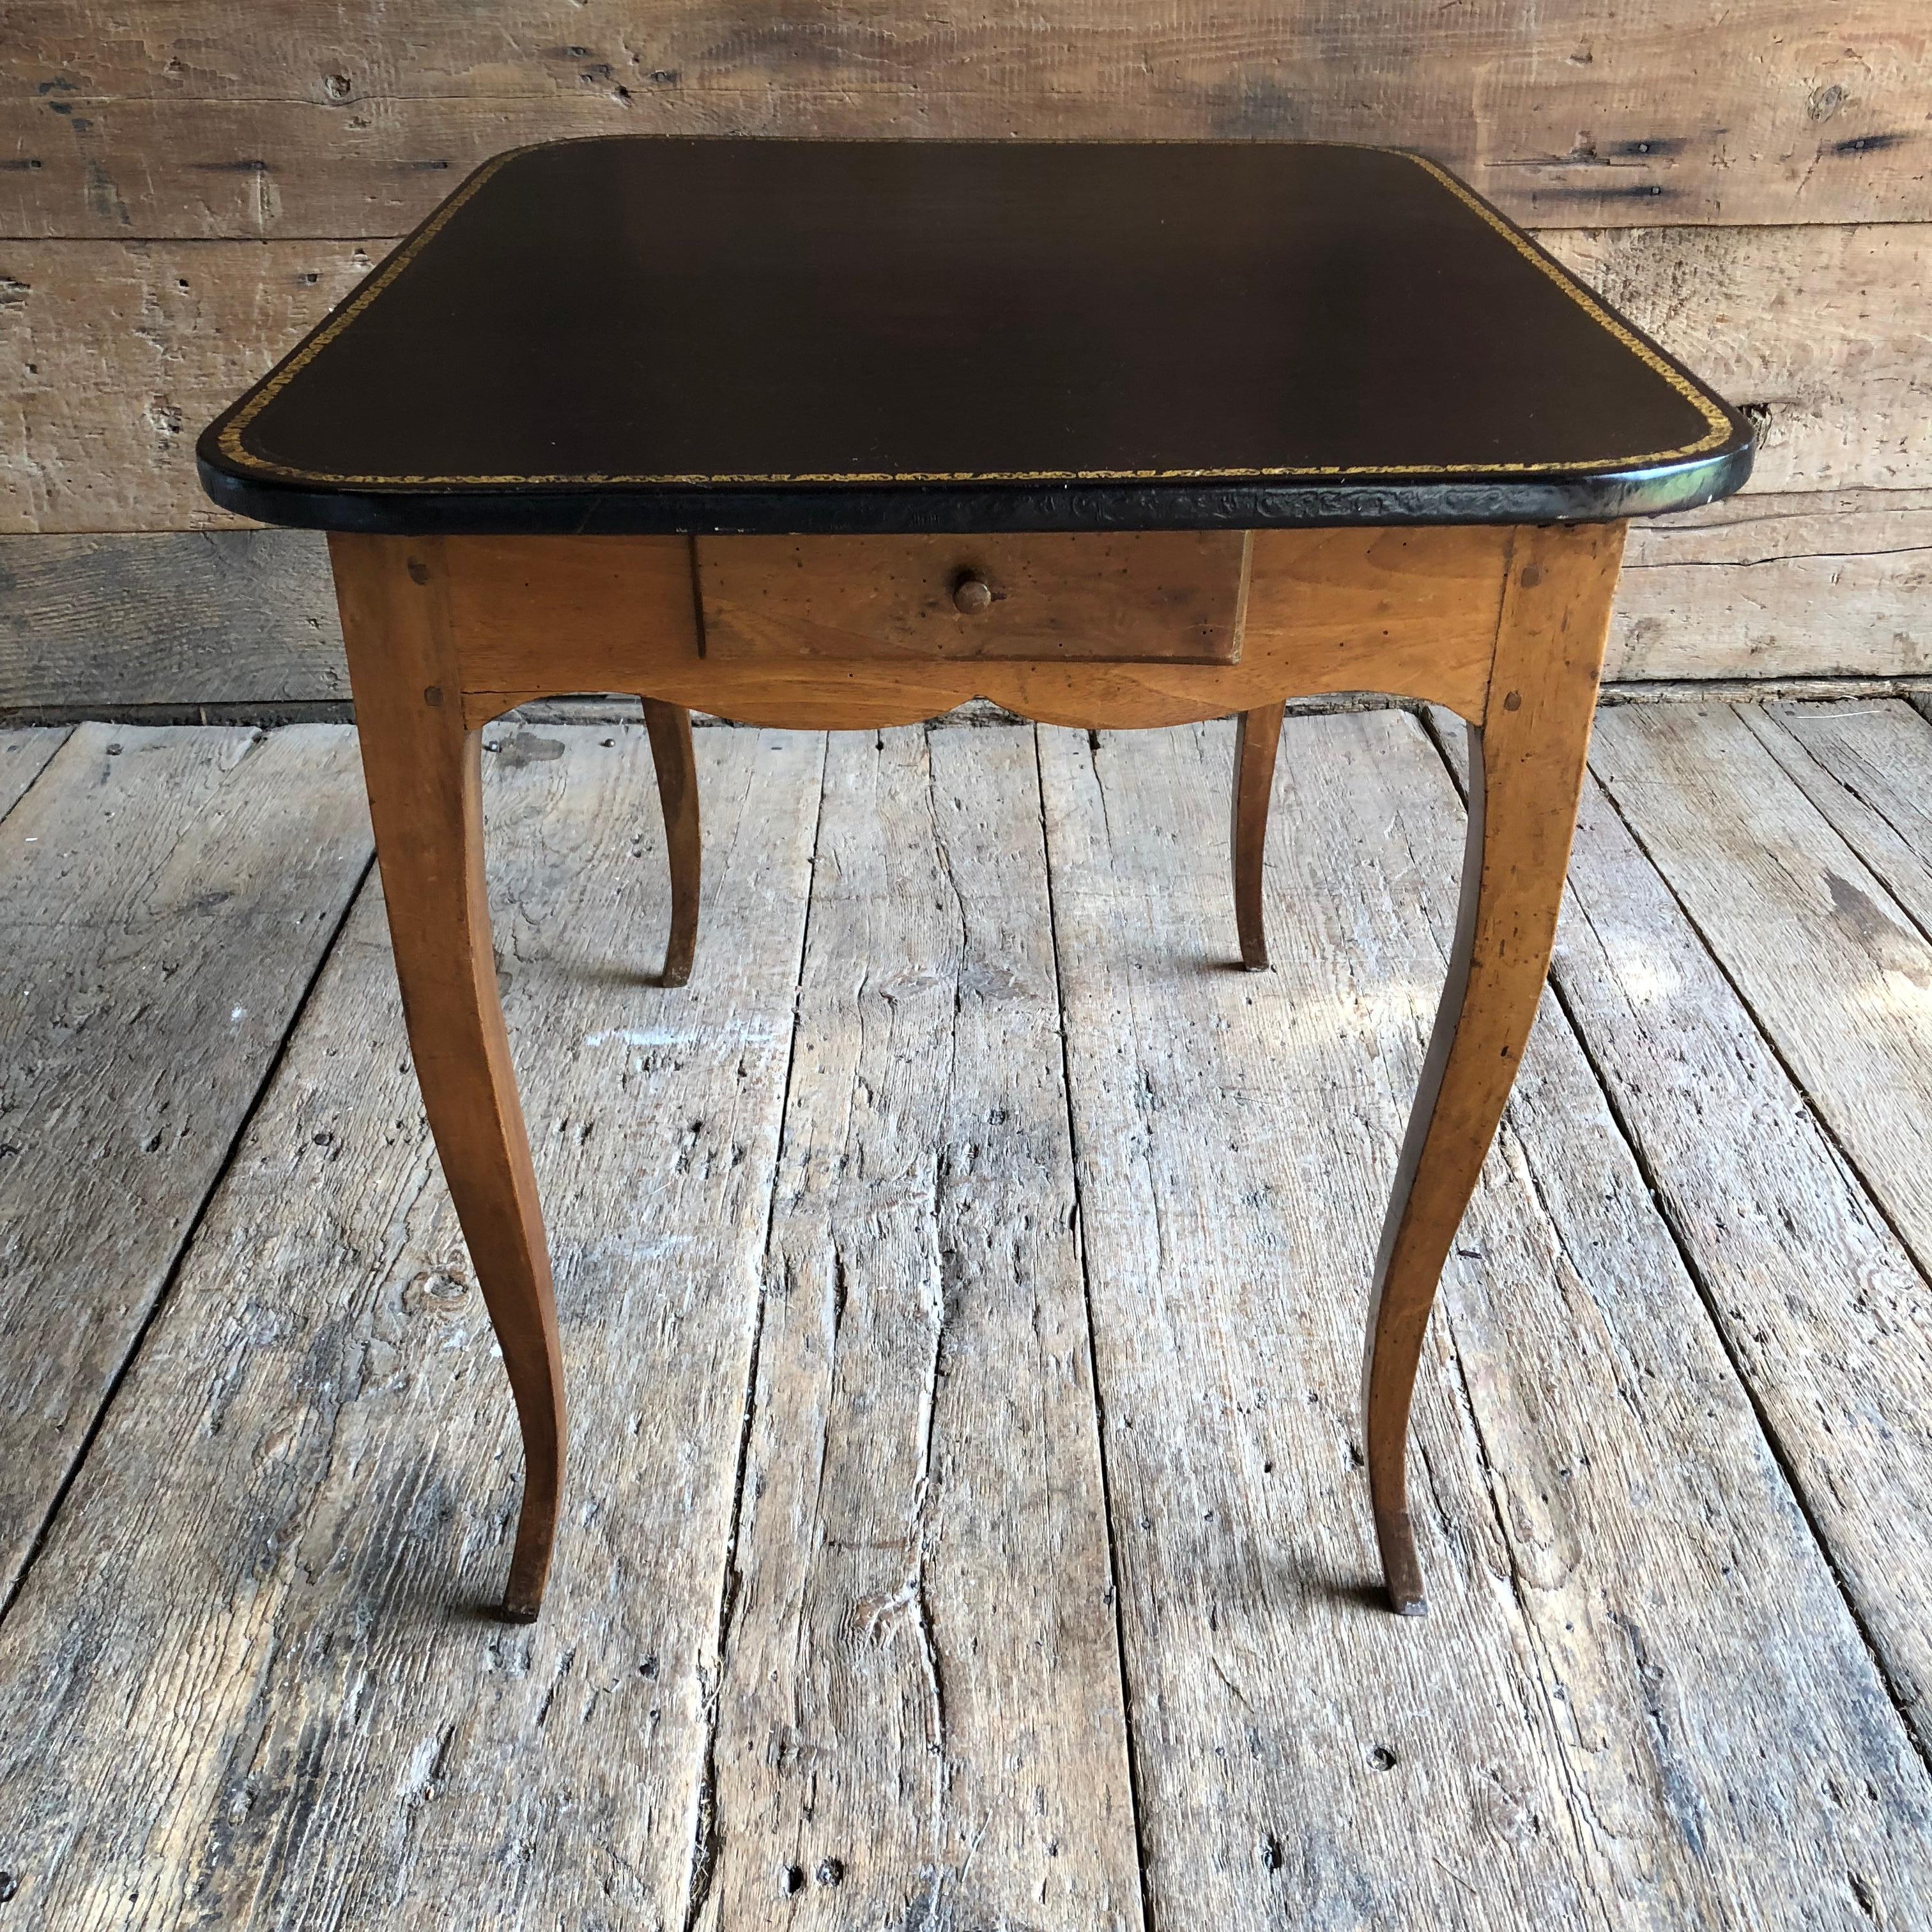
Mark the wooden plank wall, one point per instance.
(182, 192)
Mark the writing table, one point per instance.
(842, 434)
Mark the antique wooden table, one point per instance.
(844, 433)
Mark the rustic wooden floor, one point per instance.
(962, 1282)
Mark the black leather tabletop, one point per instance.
(656, 334)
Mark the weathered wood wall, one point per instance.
(185, 189)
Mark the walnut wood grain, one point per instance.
(1411, 612)
(1257, 739)
(1163, 596)
(423, 765)
(676, 767)
(1527, 761)
(1507, 627)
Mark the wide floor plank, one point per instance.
(168, 896)
(246, 1683)
(1819, 1303)
(24, 750)
(1640, 1698)
(1832, 968)
(1868, 767)
(920, 1719)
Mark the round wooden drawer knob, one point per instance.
(972, 594)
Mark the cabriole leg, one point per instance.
(424, 771)
(677, 763)
(1526, 765)
(1257, 739)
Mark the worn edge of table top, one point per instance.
(1716, 465)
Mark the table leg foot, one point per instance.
(1402, 1568)
(677, 763)
(1257, 739)
(530, 1561)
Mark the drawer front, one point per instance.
(1153, 596)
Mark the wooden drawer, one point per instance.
(1173, 596)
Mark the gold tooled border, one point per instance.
(231, 444)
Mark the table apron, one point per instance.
(1409, 612)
